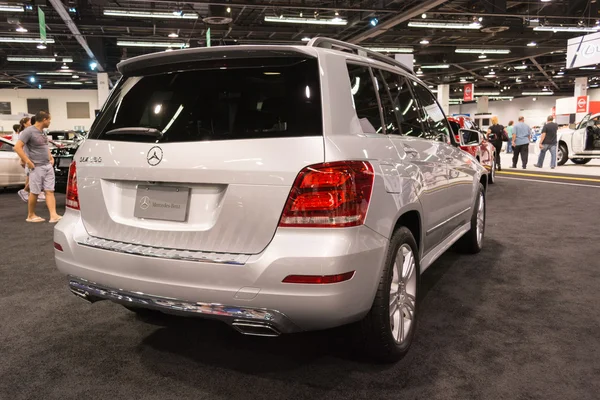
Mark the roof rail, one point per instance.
(328, 43)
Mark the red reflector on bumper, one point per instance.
(58, 246)
(318, 279)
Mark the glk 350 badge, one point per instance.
(91, 160)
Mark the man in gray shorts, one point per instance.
(40, 162)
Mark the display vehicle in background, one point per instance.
(473, 141)
(63, 146)
(302, 188)
(582, 144)
(12, 174)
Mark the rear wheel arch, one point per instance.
(412, 221)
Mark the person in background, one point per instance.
(509, 130)
(40, 162)
(520, 143)
(494, 135)
(548, 142)
(24, 193)
(15, 134)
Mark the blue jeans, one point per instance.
(545, 148)
(509, 146)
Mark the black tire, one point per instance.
(580, 161)
(471, 243)
(492, 174)
(376, 337)
(563, 154)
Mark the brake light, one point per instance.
(72, 193)
(330, 195)
(319, 279)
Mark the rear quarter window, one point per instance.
(278, 97)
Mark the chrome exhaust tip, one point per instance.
(83, 294)
(255, 329)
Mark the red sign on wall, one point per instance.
(582, 104)
(468, 92)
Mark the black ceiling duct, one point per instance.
(217, 15)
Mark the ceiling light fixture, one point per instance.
(548, 93)
(575, 29)
(482, 51)
(521, 67)
(487, 93)
(129, 43)
(436, 66)
(424, 41)
(9, 8)
(584, 68)
(25, 40)
(31, 79)
(374, 21)
(58, 73)
(75, 76)
(531, 44)
(36, 59)
(68, 83)
(150, 14)
(312, 21)
(41, 46)
(306, 39)
(21, 29)
(64, 66)
(419, 71)
(228, 9)
(423, 15)
(391, 49)
(444, 25)
(482, 56)
(173, 35)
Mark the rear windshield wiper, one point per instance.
(136, 131)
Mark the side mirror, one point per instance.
(469, 138)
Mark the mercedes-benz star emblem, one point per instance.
(145, 203)
(154, 156)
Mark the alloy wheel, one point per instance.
(403, 293)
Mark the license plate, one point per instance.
(64, 162)
(167, 203)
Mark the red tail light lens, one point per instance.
(318, 279)
(330, 195)
(72, 194)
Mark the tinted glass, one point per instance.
(433, 115)
(5, 146)
(277, 97)
(404, 107)
(455, 127)
(387, 85)
(365, 99)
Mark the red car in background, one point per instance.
(475, 143)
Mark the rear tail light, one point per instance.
(330, 195)
(72, 193)
(319, 279)
(58, 247)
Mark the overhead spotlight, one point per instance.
(534, 99)
(424, 41)
(306, 39)
(64, 66)
(21, 29)
(419, 71)
(228, 9)
(28, 7)
(173, 35)
(423, 15)
(178, 13)
(72, 10)
(480, 19)
(41, 46)
(482, 56)
(93, 65)
(374, 21)
(40, 86)
(532, 44)
(337, 13)
(32, 79)
(75, 76)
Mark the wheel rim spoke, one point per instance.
(402, 300)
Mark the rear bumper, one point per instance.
(256, 288)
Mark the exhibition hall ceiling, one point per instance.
(505, 47)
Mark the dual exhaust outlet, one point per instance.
(245, 327)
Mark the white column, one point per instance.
(581, 86)
(443, 96)
(482, 105)
(103, 89)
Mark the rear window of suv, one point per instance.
(247, 99)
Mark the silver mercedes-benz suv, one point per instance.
(277, 188)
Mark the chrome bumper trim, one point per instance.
(158, 252)
(272, 321)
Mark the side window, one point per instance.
(5, 147)
(403, 106)
(433, 115)
(386, 85)
(365, 99)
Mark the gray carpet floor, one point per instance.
(520, 320)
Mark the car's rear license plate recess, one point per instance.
(166, 203)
